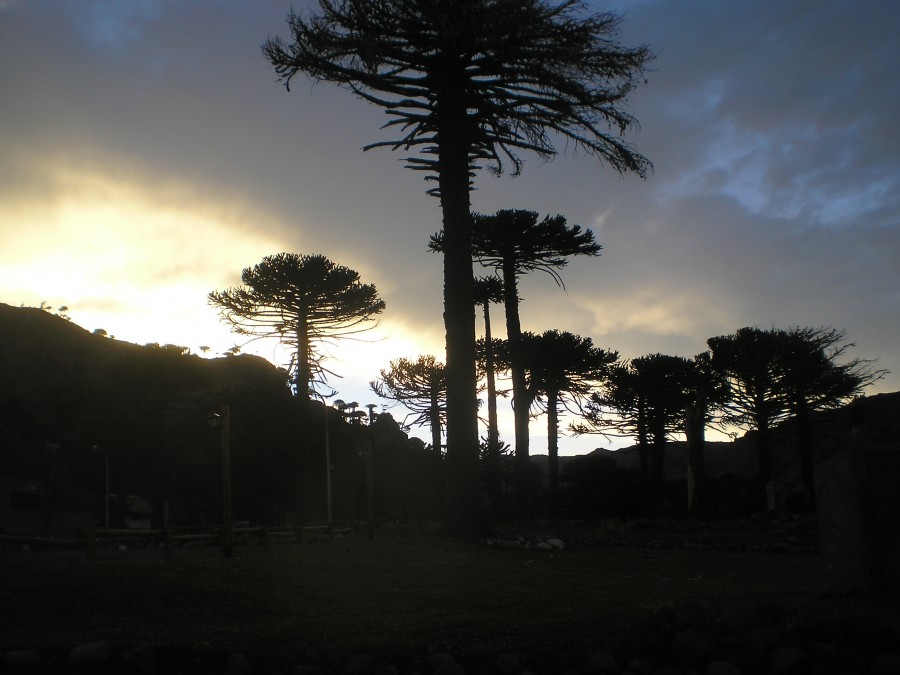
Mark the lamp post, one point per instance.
(370, 477)
(106, 477)
(223, 419)
(328, 465)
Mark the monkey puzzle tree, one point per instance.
(778, 374)
(467, 83)
(421, 386)
(562, 369)
(648, 398)
(488, 290)
(751, 360)
(706, 391)
(492, 360)
(515, 242)
(815, 378)
(302, 300)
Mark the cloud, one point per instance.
(148, 154)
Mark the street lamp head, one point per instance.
(214, 420)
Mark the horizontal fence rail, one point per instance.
(168, 539)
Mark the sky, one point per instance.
(148, 154)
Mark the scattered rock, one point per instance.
(386, 670)
(694, 648)
(721, 667)
(22, 661)
(306, 669)
(507, 664)
(600, 662)
(757, 643)
(640, 666)
(450, 667)
(238, 664)
(142, 659)
(822, 652)
(89, 656)
(358, 664)
(787, 661)
(670, 670)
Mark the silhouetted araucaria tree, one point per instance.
(489, 290)
(515, 242)
(562, 369)
(305, 301)
(467, 83)
(421, 387)
(647, 398)
(817, 376)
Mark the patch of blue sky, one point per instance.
(112, 25)
(848, 208)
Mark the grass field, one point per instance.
(399, 593)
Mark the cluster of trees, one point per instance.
(469, 84)
(472, 84)
(751, 379)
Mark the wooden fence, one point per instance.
(174, 537)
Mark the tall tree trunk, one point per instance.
(521, 398)
(493, 432)
(304, 372)
(657, 459)
(553, 451)
(463, 504)
(435, 418)
(805, 446)
(694, 431)
(492, 457)
(764, 456)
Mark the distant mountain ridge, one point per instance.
(868, 420)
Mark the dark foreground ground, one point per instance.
(354, 605)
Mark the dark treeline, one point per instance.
(75, 401)
(72, 401)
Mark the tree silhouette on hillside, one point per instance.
(776, 374)
(646, 398)
(304, 301)
(563, 369)
(420, 386)
(815, 379)
(468, 83)
(751, 361)
(489, 290)
(515, 242)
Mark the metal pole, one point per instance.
(106, 455)
(327, 466)
(370, 478)
(226, 481)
